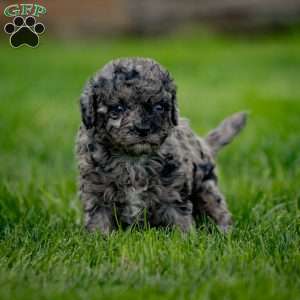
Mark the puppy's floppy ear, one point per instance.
(93, 109)
(174, 110)
(88, 105)
(171, 88)
(226, 131)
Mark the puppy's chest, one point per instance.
(147, 180)
(134, 177)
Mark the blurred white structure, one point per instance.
(80, 18)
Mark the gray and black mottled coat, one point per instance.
(138, 161)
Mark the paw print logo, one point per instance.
(24, 32)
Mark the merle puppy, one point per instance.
(138, 160)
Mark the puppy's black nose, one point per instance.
(142, 130)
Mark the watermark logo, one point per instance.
(24, 28)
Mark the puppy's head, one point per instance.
(131, 103)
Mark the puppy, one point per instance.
(138, 161)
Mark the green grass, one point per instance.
(44, 251)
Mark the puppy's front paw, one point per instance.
(100, 222)
(104, 229)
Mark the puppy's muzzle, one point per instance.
(142, 130)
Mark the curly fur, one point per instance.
(138, 160)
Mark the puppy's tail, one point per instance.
(226, 131)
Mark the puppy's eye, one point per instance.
(116, 110)
(158, 108)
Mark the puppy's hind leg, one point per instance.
(210, 200)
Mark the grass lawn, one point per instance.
(44, 251)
